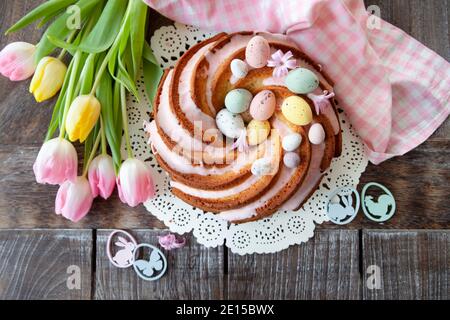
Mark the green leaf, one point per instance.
(148, 54)
(43, 11)
(138, 16)
(106, 97)
(87, 28)
(87, 76)
(107, 27)
(48, 18)
(152, 77)
(59, 29)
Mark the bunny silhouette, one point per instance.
(339, 212)
(124, 256)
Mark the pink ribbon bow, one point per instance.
(321, 102)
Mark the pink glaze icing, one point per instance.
(181, 164)
(207, 194)
(188, 106)
(168, 122)
(312, 178)
(286, 174)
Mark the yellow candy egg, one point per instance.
(297, 111)
(257, 132)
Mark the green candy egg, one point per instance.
(238, 100)
(302, 81)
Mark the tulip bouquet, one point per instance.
(104, 42)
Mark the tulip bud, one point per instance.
(102, 177)
(74, 199)
(56, 162)
(17, 61)
(48, 78)
(82, 117)
(135, 183)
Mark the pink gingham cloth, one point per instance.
(394, 89)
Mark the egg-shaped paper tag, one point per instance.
(302, 81)
(316, 134)
(297, 111)
(292, 142)
(257, 52)
(263, 105)
(257, 132)
(238, 100)
(230, 124)
(239, 68)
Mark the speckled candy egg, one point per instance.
(316, 134)
(262, 167)
(263, 105)
(291, 160)
(292, 142)
(257, 132)
(239, 68)
(257, 52)
(297, 110)
(230, 124)
(238, 100)
(302, 81)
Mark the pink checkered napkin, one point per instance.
(395, 90)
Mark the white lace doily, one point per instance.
(265, 236)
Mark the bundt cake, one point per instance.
(245, 125)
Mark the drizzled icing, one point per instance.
(188, 106)
(181, 164)
(217, 194)
(169, 124)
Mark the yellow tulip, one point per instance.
(82, 117)
(48, 78)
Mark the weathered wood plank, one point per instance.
(413, 264)
(37, 264)
(326, 267)
(419, 183)
(194, 272)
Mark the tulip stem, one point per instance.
(102, 131)
(125, 120)
(93, 153)
(69, 96)
(69, 40)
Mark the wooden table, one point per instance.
(412, 250)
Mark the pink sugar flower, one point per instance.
(282, 62)
(17, 61)
(74, 199)
(171, 241)
(135, 183)
(321, 102)
(102, 177)
(56, 162)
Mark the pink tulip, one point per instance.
(74, 199)
(56, 162)
(17, 61)
(102, 177)
(135, 183)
